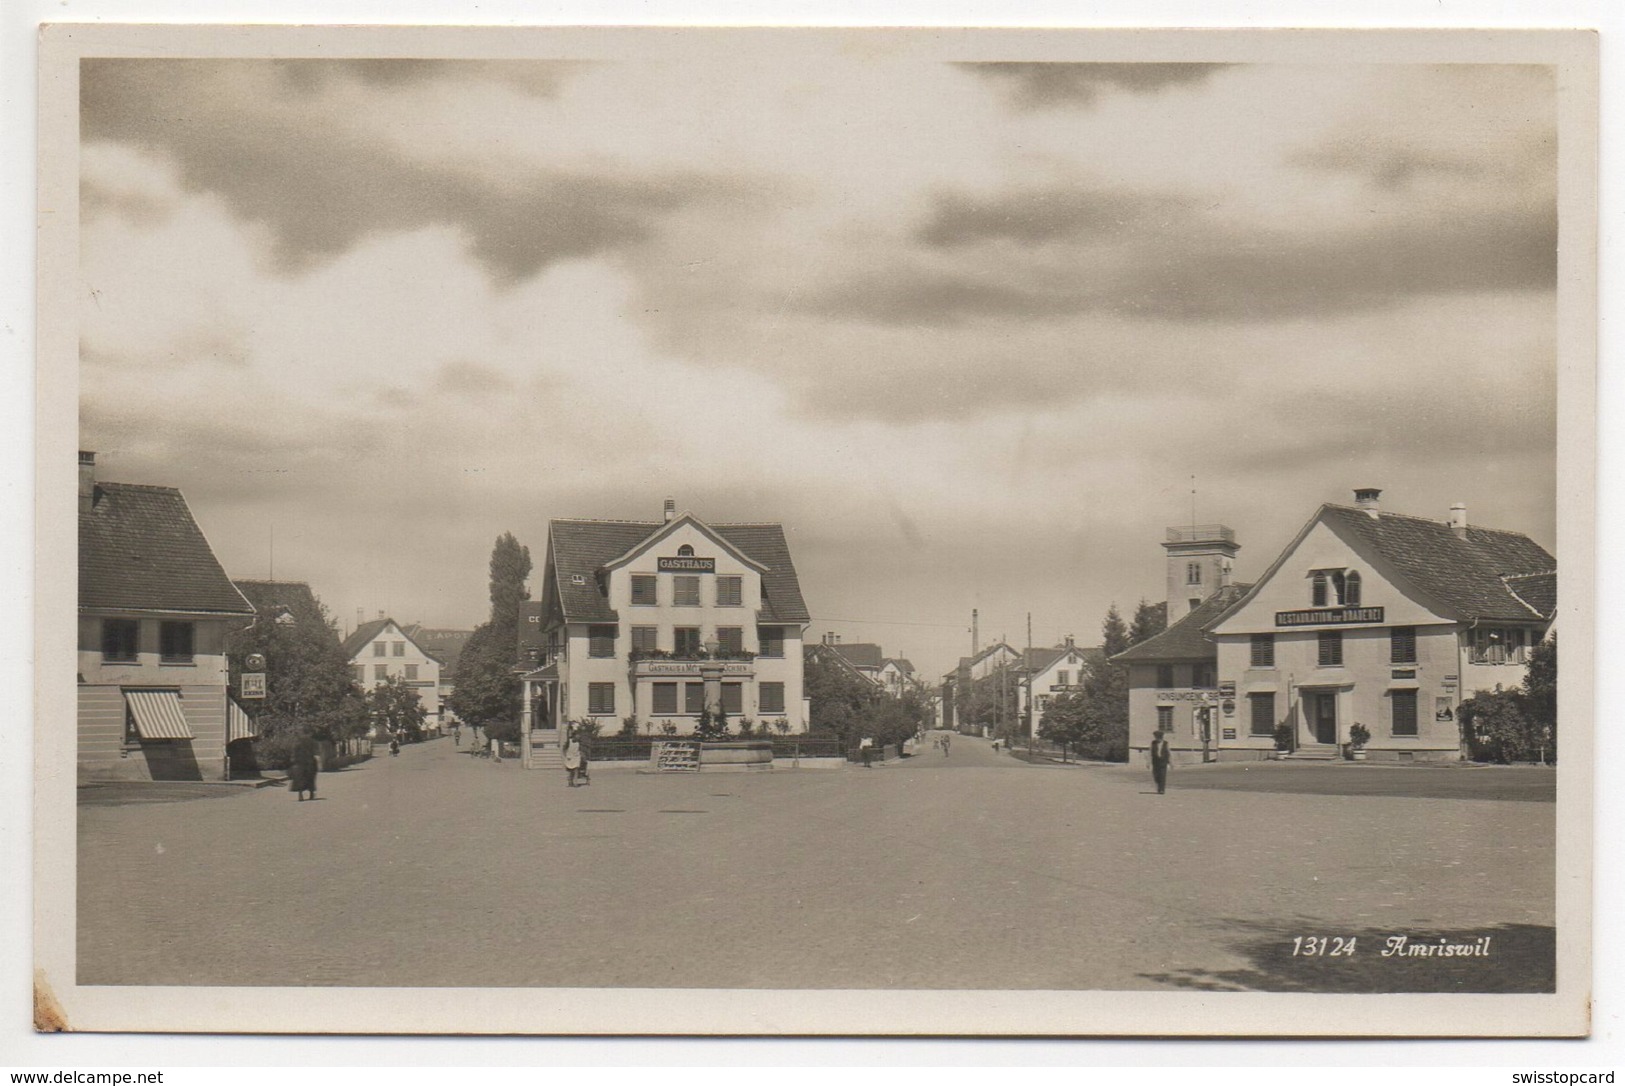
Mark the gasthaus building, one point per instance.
(660, 621)
(1370, 617)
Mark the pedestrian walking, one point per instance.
(456, 735)
(1159, 761)
(945, 745)
(572, 758)
(302, 768)
(394, 744)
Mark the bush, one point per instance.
(1284, 735)
(1498, 728)
(629, 728)
(275, 751)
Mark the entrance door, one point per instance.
(1324, 710)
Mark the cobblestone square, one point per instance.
(970, 871)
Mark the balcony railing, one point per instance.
(1201, 533)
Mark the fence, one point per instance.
(785, 748)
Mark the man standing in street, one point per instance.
(1159, 761)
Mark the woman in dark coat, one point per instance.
(302, 768)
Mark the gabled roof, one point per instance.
(363, 635)
(445, 645)
(582, 547)
(860, 654)
(1465, 574)
(822, 653)
(141, 550)
(972, 661)
(273, 600)
(1038, 660)
(1187, 639)
(903, 666)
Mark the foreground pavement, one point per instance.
(439, 869)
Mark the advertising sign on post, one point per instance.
(253, 684)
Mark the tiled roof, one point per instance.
(826, 654)
(140, 550)
(1537, 590)
(902, 665)
(860, 654)
(582, 546)
(270, 598)
(972, 661)
(363, 635)
(1467, 575)
(442, 644)
(1187, 639)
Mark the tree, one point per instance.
(1114, 636)
(1150, 619)
(1104, 731)
(1065, 722)
(840, 699)
(308, 683)
(397, 709)
(991, 701)
(487, 690)
(1540, 690)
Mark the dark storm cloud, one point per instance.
(320, 191)
(1044, 254)
(1045, 85)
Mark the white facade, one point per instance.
(690, 632)
(390, 654)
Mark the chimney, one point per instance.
(360, 617)
(380, 616)
(1366, 498)
(87, 480)
(1069, 643)
(1458, 520)
(670, 510)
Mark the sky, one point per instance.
(973, 332)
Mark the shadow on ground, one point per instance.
(1521, 958)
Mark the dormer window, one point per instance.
(685, 551)
(1334, 588)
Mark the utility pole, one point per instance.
(975, 632)
(1028, 662)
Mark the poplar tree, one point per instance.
(487, 690)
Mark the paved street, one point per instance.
(973, 870)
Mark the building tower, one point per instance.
(1200, 558)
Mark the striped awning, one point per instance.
(158, 714)
(238, 724)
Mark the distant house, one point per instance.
(896, 676)
(445, 645)
(865, 657)
(1048, 673)
(661, 621)
(381, 650)
(956, 684)
(155, 607)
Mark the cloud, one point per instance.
(1049, 85)
(320, 188)
(1054, 253)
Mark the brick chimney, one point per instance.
(1367, 498)
(670, 510)
(1458, 520)
(87, 481)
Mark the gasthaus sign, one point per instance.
(687, 565)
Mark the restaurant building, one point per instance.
(660, 621)
(1367, 617)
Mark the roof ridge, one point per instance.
(109, 485)
(1437, 523)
